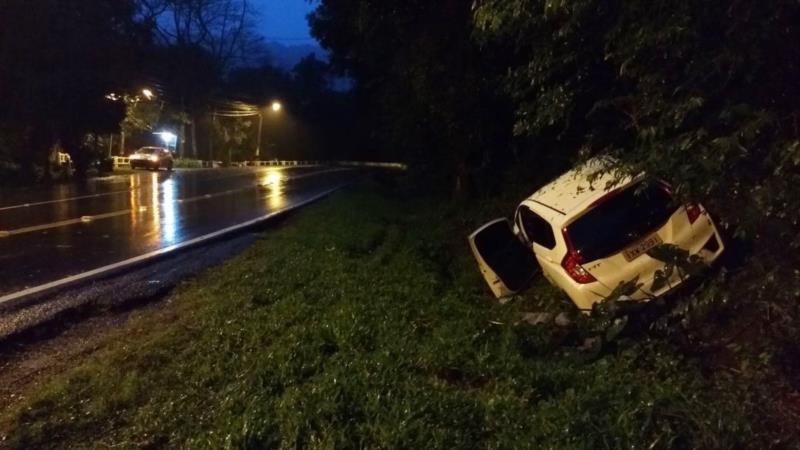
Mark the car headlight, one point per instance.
(154, 158)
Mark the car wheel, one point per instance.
(169, 166)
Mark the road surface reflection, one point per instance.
(134, 214)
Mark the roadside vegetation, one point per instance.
(363, 322)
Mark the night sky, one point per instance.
(284, 21)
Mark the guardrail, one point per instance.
(64, 159)
(380, 165)
(120, 161)
(124, 161)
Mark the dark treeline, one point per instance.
(427, 91)
(61, 59)
(58, 60)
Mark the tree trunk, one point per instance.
(211, 156)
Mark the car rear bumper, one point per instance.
(712, 249)
(709, 247)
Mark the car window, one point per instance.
(147, 150)
(535, 228)
(620, 220)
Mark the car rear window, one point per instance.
(621, 220)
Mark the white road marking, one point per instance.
(93, 218)
(154, 254)
(125, 191)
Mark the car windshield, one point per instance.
(620, 221)
(148, 150)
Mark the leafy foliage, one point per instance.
(677, 261)
(699, 94)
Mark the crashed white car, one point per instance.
(588, 231)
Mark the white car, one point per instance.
(589, 233)
(152, 158)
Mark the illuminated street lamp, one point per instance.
(148, 94)
(276, 108)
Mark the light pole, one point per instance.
(258, 140)
(276, 107)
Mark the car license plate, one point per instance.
(641, 247)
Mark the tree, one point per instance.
(58, 60)
(223, 28)
(700, 94)
(141, 114)
(311, 75)
(426, 90)
(203, 40)
(190, 76)
(234, 139)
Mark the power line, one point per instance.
(277, 38)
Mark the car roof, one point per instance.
(568, 195)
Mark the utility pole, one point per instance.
(211, 137)
(258, 140)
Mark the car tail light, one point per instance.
(572, 264)
(693, 210)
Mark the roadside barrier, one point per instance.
(121, 161)
(64, 159)
(124, 161)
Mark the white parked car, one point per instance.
(588, 234)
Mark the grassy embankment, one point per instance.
(362, 322)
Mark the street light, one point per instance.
(148, 94)
(276, 108)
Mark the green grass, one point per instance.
(363, 322)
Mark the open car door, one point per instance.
(506, 264)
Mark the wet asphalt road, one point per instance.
(46, 235)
